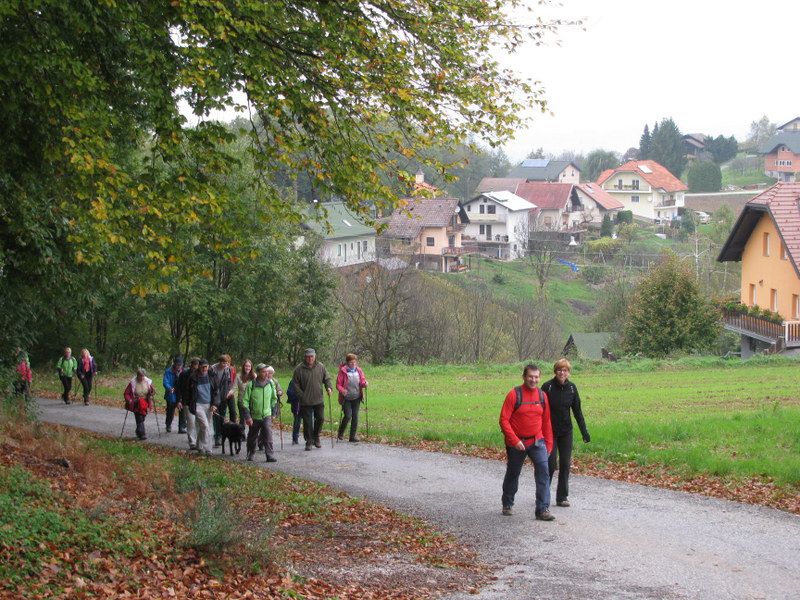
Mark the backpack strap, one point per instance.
(519, 402)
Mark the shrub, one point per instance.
(704, 176)
(625, 216)
(498, 279)
(594, 274)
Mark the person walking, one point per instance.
(184, 393)
(259, 406)
(66, 367)
(86, 372)
(245, 375)
(224, 375)
(205, 399)
(350, 382)
(525, 422)
(139, 396)
(22, 384)
(297, 416)
(309, 378)
(170, 382)
(563, 396)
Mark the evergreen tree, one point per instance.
(606, 229)
(668, 147)
(645, 144)
(704, 176)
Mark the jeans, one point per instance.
(560, 458)
(66, 383)
(260, 427)
(350, 408)
(538, 455)
(313, 418)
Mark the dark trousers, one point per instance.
(66, 383)
(260, 429)
(313, 418)
(170, 415)
(86, 382)
(538, 454)
(296, 422)
(560, 459)
(350, 408)
(139, 425)
(228, 405)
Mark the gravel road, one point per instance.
(617, 540)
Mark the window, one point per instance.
(351, 246)
(429, 241)
(469, 207)
(635, 184)
(548, 221)
(773, 300)
(635, 199)
(752, 297)
(619, 184)
(491, 209)
(784, 252)
(765, 244)
(339, 248)
(366, 245)
(482, 209)
(482, 229)
(795, 307)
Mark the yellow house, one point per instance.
(766, 239)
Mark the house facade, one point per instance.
(782, 152)
(499, 224)
(597, 203)
(346, 240)
(544, 169)
(645, 188)
(426, 232)
(766, 239)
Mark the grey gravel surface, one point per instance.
(617, 540)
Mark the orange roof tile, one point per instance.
(545, 195)
(658, 178)
(783, 202)
(599, 195)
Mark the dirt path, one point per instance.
(616, 541)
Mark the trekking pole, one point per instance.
(366, 410)
(155, 414)
(330, 417)
(123, 423)
(280, 423)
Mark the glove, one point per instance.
(586, 438)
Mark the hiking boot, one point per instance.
(295, 442)
(317, 443)
(354, 440)
(564, 503)
(169, 429)
(250, 456)
(507, 512)
(340, 438)
(308, 446)
(192, 447)
(545, 516)
(67, 401)
(217, 444)
(86, 403)
(181, 431)
(272, 459)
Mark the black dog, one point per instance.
(234, 433)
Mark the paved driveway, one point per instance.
(616, 541)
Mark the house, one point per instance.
(590, 346)
(766, 239)
(558, 207)
(711, 202)
(782, 152)
(597, 203)
(544, 169)
(427, 233)
(346, 240)
(694, 146)
(499, 224)
(645, 188)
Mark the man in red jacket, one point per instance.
(525, 421)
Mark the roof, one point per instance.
(658, 177)
(787, 123)
(589, 345)
(507, 199)
(698, 139)
(342, 222)
(417, 213)
(599, 195)
(540, 169)
(494, 184)
(791, 139)
(782, 203)
(712, 201)
(545, 195)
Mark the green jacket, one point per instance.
(309, 381)
(67, 366)
(259, 403)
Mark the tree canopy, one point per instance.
(598, 161)
(667, 147)
(704, 176)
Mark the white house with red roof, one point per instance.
(499, 224)
(766, 239)
(646, 188)
(597, 202)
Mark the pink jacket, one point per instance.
(341, 382)
(139, 405)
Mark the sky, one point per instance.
(713, 66)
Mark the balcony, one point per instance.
(627, 187)
(454, 251)
(486, 218)
(783, 335)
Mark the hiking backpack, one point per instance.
(519, 402)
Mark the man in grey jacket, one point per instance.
(309, 378)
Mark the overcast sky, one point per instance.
(713, 66)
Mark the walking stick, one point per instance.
(280, 422)
(123, 423)
(330, 417)
(155, 414)
(366, 410)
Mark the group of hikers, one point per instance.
(536, 421)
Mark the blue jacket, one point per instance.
(170, 381)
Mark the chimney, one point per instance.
(420, 177)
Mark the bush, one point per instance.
(704, 176)
(498, 279)
(594, 274)
(625, 216)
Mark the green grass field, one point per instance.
(695, 415)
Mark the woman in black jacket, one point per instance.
(563, 396)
